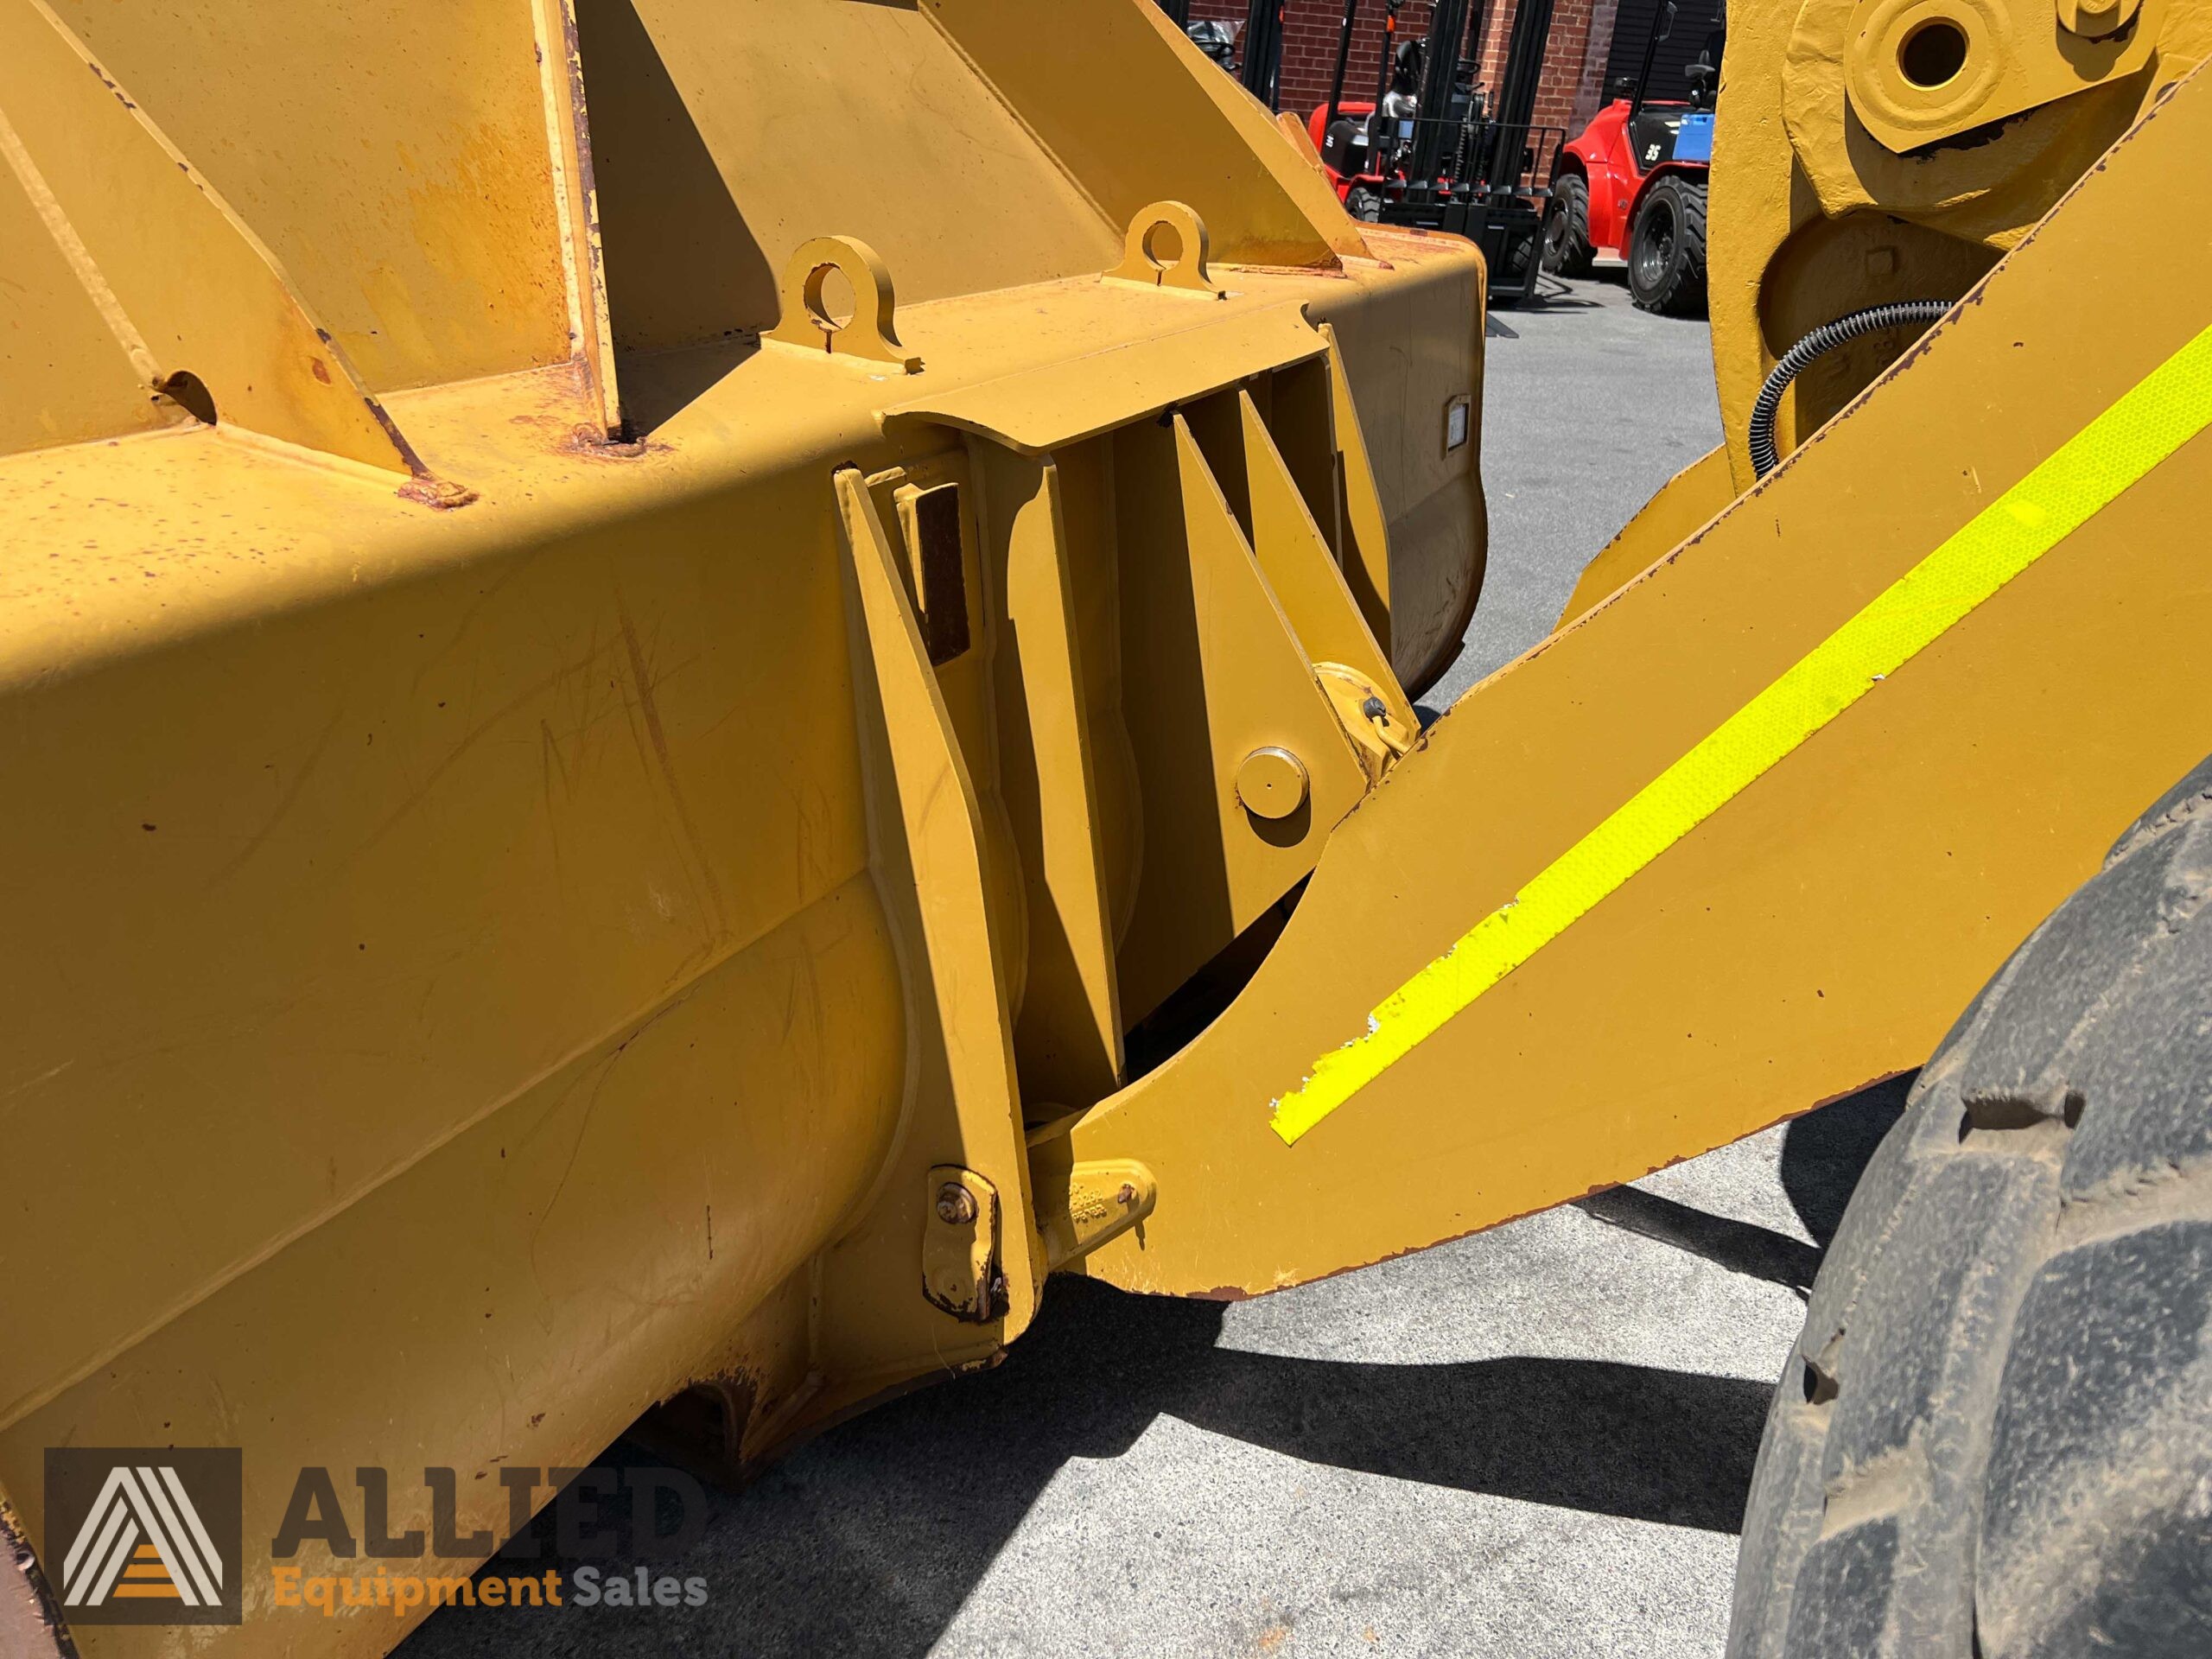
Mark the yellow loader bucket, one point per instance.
(689, 690)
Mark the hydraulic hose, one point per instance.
(1821, 340)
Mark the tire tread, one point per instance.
(2012, 1321)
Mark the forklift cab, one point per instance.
(1655, 130)
(1368, 142)
(1704, 72)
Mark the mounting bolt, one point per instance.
(1271, 782)
(2093, 19)
(1374, 709)
(955, 1205)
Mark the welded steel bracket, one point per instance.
(810, 320)
(1080, 1206)
(960, 1245)
(1167, 246)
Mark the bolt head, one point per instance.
(2096, 19)
(1271, 782)
(955, 1205)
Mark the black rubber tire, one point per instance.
(1512, 286)
(1666, 249)
(1363, 204)
(1567, 251)
(1993, 1439)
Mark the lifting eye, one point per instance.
(1933, 54)
(1163, 246)
(830, 299)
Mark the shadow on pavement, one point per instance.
(1739, 1246)
(1556, 294)
(1823, 1151)
(870, 1539)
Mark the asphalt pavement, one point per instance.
(1534, 1443)
(1589, 405)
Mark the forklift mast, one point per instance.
(1457, 165)
(1516, 104)
(1343, 60)
(1663, 26)
(1448, 29)
(1263, 50)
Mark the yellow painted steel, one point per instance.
(2152, 419)
(1822, 927)
(1838, 183)
(123, 206)
(548, 795)
(558, 798)
(1685, 504)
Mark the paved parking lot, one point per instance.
(1589, 405)
(1534, 1443)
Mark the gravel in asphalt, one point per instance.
(1532, 1443)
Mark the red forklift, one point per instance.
(1634, 184)
(1432, 148)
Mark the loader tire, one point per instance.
(30, 1622)
(1666, 249)
(1567, 251)
(1993, 1439)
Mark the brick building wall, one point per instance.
(1567, 95)
(1597, 47)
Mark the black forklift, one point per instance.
(1433, 149)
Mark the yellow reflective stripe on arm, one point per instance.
(2162, 411)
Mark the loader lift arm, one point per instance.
(1843, 188)
(1813, 929)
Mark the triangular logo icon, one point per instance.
(142, 1540)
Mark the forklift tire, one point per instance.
(1994, 1437)
(1363, 204)
(1512, 284)
(1567, 251)
(1666, 249)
